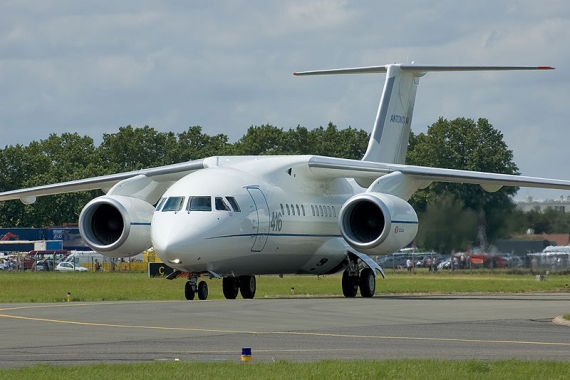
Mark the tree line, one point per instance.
(452, 216)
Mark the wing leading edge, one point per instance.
(326, 167)
(155, 176)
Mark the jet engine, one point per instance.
(376, 223)
(116, 225)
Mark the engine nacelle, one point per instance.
(116, 226)
(376, 223)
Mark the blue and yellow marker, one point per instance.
(246, 354)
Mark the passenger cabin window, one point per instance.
(233, 203)
(221, 205)
(292, 210)
(303, 209)
(173, 204)
(298, 210)
(282, 209)
(288, 211)
(313, 209)
(199, 204)
(334, 211)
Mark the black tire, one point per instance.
(367, 283)
(202, 290)
(247, 286)
(349, 285)
(189, 291)
(230, 287)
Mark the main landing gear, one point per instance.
(231, 286)
(351, 281)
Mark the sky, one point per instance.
(92, 67)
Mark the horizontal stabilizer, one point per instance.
(390, 134)
(418, 69)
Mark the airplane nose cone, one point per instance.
(170, 239)
(179, 237)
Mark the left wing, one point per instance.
(149, 182)
(366, 172)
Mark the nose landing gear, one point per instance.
(190, 289)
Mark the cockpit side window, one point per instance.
(173, 204)
(199, 204)
(234, 204)
(221, 205)
(160, 204)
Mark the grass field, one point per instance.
(390, 369)
(85, 287)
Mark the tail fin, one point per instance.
(389, 139)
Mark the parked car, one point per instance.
(393, 262)
(69, 267)
(445, 264)
(512, 261)
(33, 256)
(40, 265)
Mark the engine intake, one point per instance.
(116, 226)
(377, 223)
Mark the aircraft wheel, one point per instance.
(230, 287)
(202, 290)
(349, 285)
(247, 286)
(189, 290)
(367, 283)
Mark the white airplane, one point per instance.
(237, 217)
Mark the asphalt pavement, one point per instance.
(454, 327)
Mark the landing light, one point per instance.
(174, 261)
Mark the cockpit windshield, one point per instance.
(234, 203)
(221, 205)
(199, 204)
(173, 204)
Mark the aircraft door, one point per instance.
(262, 220)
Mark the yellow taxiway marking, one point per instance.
(299, 333)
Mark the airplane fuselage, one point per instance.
(278, 221)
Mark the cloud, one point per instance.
(91, 67)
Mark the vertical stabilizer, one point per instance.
(389, 139)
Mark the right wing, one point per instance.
(365, 173)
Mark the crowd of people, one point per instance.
(10, 263)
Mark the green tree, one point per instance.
(136, 148)
(192, 144)
(446, 225)
(56, 159)
(265, 139)
(270, 140)
(346, 143)
(466, 144)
